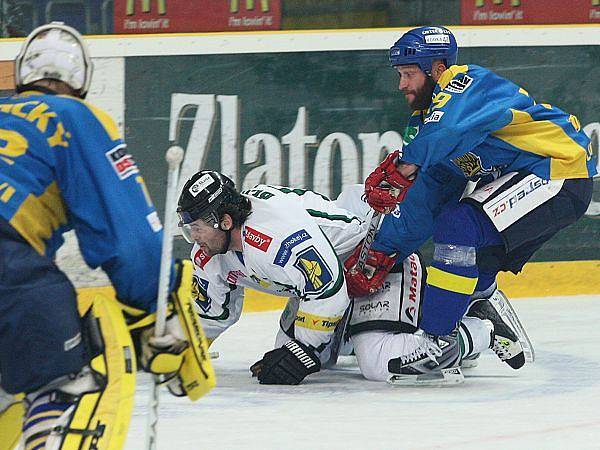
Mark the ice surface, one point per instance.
(552, 404)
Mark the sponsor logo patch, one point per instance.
(317, 274)
(434, 117)
(374, 305)
(459, 85)
(122, 162)
(257, 239)
(234, 275)
(319, 323)
(201, 258)
(411, 290)
(201, 183)
(410, 313)
(511, 199)
(285, 249)
(154, 221)
(437, 39)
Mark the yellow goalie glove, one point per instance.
(180, 357)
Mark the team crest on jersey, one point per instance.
(122, 162)
(257, 239)
(470, 164)
(200, 293)
(316, 272)
(459, 85)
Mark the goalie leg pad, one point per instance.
(93, 409)
(11, 419)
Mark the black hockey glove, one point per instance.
(289, 364)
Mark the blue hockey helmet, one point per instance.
(424, 45)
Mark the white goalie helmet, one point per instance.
(54, 51)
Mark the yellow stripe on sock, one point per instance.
(450, 282)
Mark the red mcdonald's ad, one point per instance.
(183, 16)
(501, 12)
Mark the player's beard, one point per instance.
(422, 97)
(217, 246)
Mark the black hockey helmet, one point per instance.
(207, 196)
(203, 194)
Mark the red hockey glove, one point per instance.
(365, 282)
(387, 186)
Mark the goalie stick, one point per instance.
(174, 156)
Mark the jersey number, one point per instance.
(440, 100)
(12, 145)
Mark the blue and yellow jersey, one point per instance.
(63, 166)
(479, 126)
(480, 123)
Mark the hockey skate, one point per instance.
(434, 362)
(509, 340)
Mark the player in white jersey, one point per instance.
(288, 242)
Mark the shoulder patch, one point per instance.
(459, 84)
(316, 272)
(285, 249)
(257, 239)
(122, 162)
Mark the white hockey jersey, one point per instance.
(294, 242)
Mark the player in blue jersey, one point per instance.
(532, 163)
(64, 166)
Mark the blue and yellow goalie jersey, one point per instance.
(63, 166)
(480, 123)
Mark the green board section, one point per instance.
(322, 120)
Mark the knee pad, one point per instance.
(92, 409)
(11, 419)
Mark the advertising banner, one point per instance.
(322, 120)
(181, 16)
(503, 12)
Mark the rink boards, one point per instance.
(319, 109)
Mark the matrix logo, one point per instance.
(234, 5)
(161, 4)
(481, 3)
